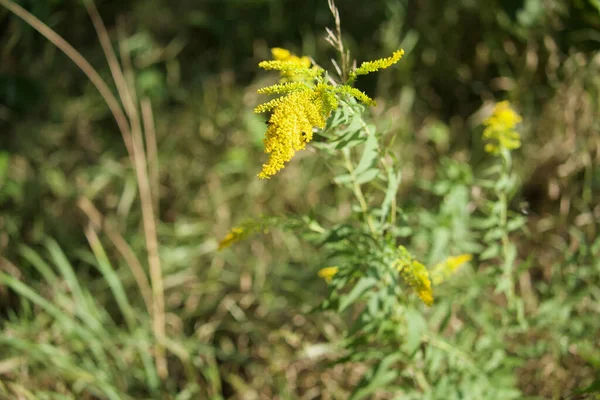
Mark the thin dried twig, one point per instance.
(151, 150)
(335, 39)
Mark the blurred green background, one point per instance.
(239, 320)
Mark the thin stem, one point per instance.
(151, 151)
(393, 204)
(503, 199)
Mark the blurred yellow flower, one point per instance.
(446, 268)
(328, 273)
(500, 129)
(280, 54)
(415, 275)
(232, 236)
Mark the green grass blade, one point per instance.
(112, 279)
(39, 264)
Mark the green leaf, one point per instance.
(516, 223)
(492, 251)
(369, 156)
(361, 286)
(351, 139)
(416, 325)
(341, 179)
(378, 378)
(493, 235)
(367, 176)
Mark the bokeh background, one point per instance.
(240, 320)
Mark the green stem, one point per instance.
(503, 198)
(394, 204)
(358, 193)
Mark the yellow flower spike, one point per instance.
(232, 236)
(415, 275)
(357, 94)
(442, 271)
(500, 129)
(283, 88)
(454, 263)
(371, 66)
(328, 273)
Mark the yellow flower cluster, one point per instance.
(446, 268)
(290, 127)
(328, 273)
(500, 129)
(371, 66)
(414, 274)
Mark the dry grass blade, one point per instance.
(10, 268)
(9, 365)
(139, 158)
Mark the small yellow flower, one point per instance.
(328, 273)
(500, 129)
(232, 236)
(446, 268)
(291, 67)
(280, 54)
(415, 275)
(372, 66)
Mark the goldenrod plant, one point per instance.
(502, 139)
(372, 275)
